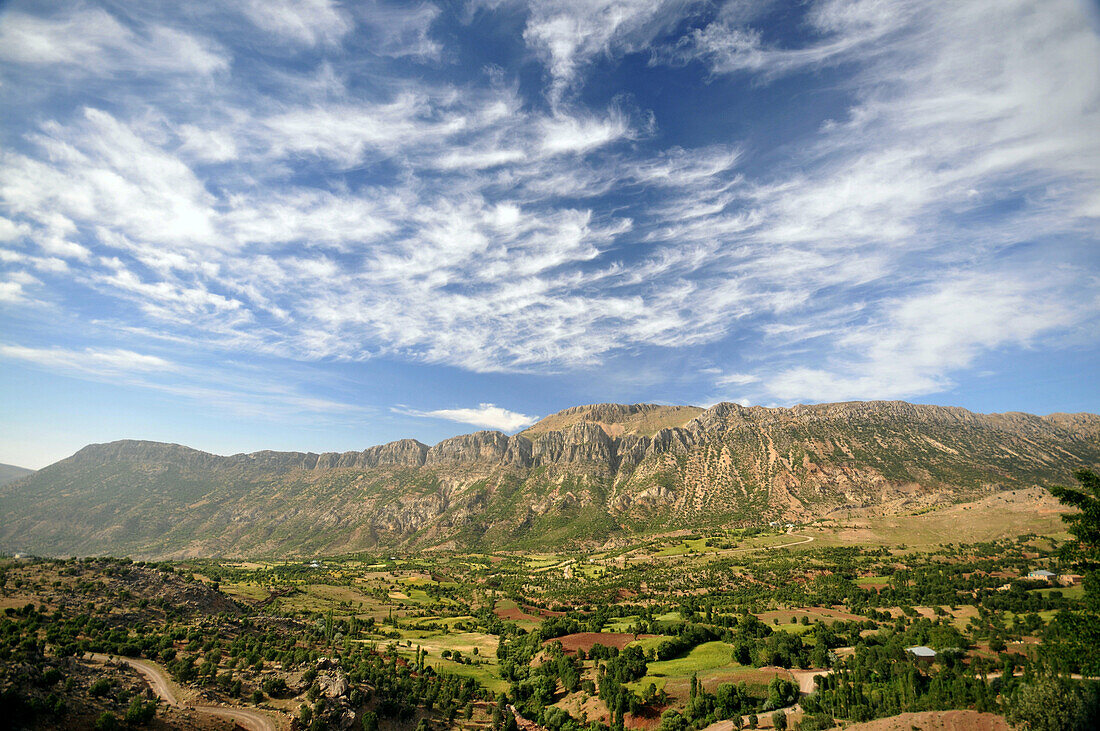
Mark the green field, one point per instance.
(705, 657)
(1069, 592)
(650, 643)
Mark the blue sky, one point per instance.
(320, 226)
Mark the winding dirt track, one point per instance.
(807, 539)
(159, 682)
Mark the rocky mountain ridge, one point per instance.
(589, 480)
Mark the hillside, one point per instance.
(11, 472)
(576, 484)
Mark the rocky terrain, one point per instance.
(587, 474)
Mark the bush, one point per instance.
(816, 722)
(140, 712)
(107, 722)
(100, 687)
(274, 687)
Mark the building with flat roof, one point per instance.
(924, 656)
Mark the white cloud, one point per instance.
(921, 340)
(736, 379)
(345, 133)
(844, 27)
(11, 231)
(241, 390)
(102, 172)
(92, 41)
(89, 360)
(567, 34)
(312, 216)
(309, 22)
(403, 30)
(488, 416)
(565, 133)
(12, 287)
(207, 145)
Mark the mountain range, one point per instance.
(583, 476)
(9, 472)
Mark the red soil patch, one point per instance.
(515, 614)
(526, 611)
(585, 640)
(647, 718)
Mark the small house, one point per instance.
(922, 654)
(1070, 579)
(1041, 575)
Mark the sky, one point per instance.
(318, 226)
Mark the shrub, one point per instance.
(140, 712)
(107, 722)
(100, 687)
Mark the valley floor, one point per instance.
(807, 626)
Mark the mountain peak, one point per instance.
(618, 419)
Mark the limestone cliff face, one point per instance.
(608, 469)
(583, 442)
(404, 452)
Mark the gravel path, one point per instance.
(162, 686)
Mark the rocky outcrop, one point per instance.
(333, 683)
(402, 453)
(484, 446)
(580, 443)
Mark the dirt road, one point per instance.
(806, 539)
(805, 679)
(162, 686)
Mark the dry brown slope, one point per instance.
(618, 419)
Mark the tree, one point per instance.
(1070, 641)
(1084, 550)
(1054, 704)
(140, 712)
